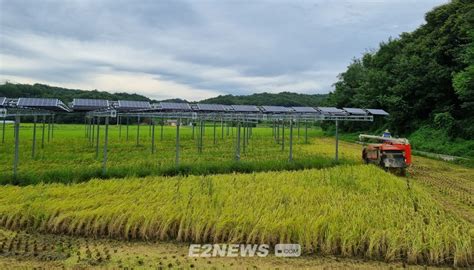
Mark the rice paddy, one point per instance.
(342, 209)
(349, 211)
(69, 157)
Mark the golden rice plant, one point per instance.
(348, 211)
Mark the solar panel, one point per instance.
(52, 104)
(89, 104)
(245, 108)
(304, 109)
(227, 108)
(275, 109)
(331, 110)
(377, 112)
(2, 100)
(37, 102)
(210, 107)
(355, 111)
(133, 105)
(175, 106)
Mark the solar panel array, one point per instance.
(130, 105)
(174, 106)
(210, 107)
(133, 105)
(52, 104)
(304, 109)
(355, 111)
(37, 102)
(89, 104)
(331, 110)
(227, 108)
(245, 108)
(276, 109)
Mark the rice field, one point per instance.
(69, 157)
(348, 211)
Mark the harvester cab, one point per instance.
(392, 154)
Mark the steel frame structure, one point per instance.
(242, 121)
(238, 119)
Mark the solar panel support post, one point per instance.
(298, 123)
(192, 134)
(161, 132)
(227, 124)
(93, 131)
(49, 129)
(119, 123)
(214, 132)
(52, 126)
(138, 130)
(282, 136)
(106, 142)
(152, 136)
(273, 129)
(97, 139)
(305, 132)
(3, 132)
(201, 133)
(17, 147)
(290, 157)
(222, 129)
(85, 127)
(337, 142)
(278, 132)
(33, 146)
(42, 132)
(244, 137)
(237, 145)
(128, 121)
(177, 142)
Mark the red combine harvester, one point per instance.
(392, 154)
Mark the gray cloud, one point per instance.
(195, 49)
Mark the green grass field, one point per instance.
(70, 157)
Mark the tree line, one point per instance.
(425, 78)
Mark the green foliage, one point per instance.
(280, 99)
(69, 157)
(445, 121)
(419, 74)
(66, 95)
(437, 140)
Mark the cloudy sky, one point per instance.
(195, 49)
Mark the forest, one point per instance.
(425, 78)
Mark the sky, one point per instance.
(195, 49)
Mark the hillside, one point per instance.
(280, 99)
(425, 78)
(67, 95)
(64, 94)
